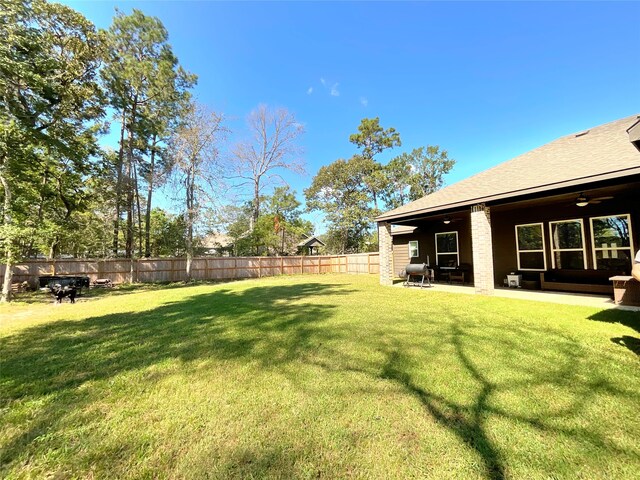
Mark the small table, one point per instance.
(514, 280)
(626, 290)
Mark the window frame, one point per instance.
(544, 250)
(417, 249)
(457, 252)
(554, 250)
(594, 249)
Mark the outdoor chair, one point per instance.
(462, 273)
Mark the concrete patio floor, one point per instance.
(597, 301)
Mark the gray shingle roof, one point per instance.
(578, 158)
(312, 241)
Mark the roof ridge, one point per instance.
(619, 120)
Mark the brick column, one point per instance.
(482, 249)
(385, 247)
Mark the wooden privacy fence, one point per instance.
(203, 268)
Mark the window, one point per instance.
(530, 247)
(567, 245)
(447, 250)
(413, 249)
(611, 242)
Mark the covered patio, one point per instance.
(562, 217)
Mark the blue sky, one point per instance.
(486, 81)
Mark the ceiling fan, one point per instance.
(447, 220)
(583, 200)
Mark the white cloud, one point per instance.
(363, 101)
(333, 89)
(309, 90)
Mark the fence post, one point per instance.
(259, 267)
(281, 265)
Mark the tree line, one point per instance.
(65, 85)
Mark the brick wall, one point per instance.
(482, 249)
(386, 254)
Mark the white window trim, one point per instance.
(544, 250)
(554, 250)
(594, 249)
(415, 242)
(457, 252)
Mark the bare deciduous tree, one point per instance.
(196, 166)
(272, 148)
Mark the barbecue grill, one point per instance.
(49, 281)
(415, 271)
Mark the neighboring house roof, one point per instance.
(600, 153)
(312, 241)
(217, 240)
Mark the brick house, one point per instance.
(565, 216)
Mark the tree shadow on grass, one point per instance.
(272, 325)
(629, 342)
(466, 423)
(627, 318)
(276, 327)
(558, 366)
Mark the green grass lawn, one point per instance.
(317, 376)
